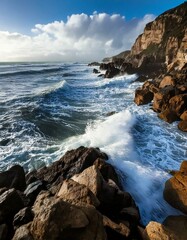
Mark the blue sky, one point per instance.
(22, 15)
(38, 30)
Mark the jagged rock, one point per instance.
(111, 72)
(178, 104)
(23, 233)
(167, 81)
(162, 97)
(56, 219)
(143, 96)
(3, 231)
(33, 190)
(107, 171)
(175, 191)
(168, 116)
(173, 228)
(95, 71)
(183, 126)
(113, 229)
(77, 194)
(10, 204)
(183, 116)
(13, 178)
(73, 162)
(24, 216)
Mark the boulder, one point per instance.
(13, 178)
(33, 190)
(96, 71)
(183, 126)
(175, 191)
(23, 233)
(183, 116)
(173, 228)
(10, 203)
(77, 194)
(178, 104)
(143, 96)
(107, 171)
(168, 116)
(111, 72)
(56, 219)
(73, 162)
(24, 216)
(162, 97)
(114, 230)
(167, 81)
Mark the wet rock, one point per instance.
(77, 194)
(168, 116)
(24, 216)
(107, 171)
(23, 233)
(96, 71)
(143, 96)
(175, 191)
(4, 142)
(13, 178)
(3, 232)
(141, 78)
(33, 190)
(10, 204)
(183, 126)
(94, 64)
(56, 219)
(178, 104)
(73, 162)
(111, 72)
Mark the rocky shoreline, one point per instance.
(80, 197)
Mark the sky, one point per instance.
(73, 30)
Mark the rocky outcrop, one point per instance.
(78, 197)
(175, 192)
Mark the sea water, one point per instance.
(49, 108)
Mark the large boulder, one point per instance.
(24, 216)
(143, 96)
(173, 228)
(178, 104)
(23, 233)
(175, 191)
(77, 194)
(56, 219)
(10, 203)
(73, 162)
(168, 116)
(13, 178)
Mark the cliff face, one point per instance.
(163, 44)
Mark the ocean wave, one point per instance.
(31, 72)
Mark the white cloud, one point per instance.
(80, 38)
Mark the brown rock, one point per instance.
(143, 96)
(13, 178)
(183, 126)
(183, 116)
(178, 104)
(167, 81)
(77, 194)
(73, 162)
(119, 228)
(175, 192)
(168, 116)
(23, 233)
(56, 219)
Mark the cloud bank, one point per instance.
(81, 38)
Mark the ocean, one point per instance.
(49, 108)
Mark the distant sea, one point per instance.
(47, 109)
